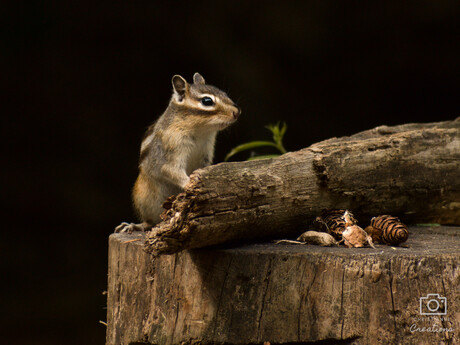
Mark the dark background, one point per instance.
(82, 80)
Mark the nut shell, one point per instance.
(318, 238)
(355, 236)
(374, 233)
(334, 222)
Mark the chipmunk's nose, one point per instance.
(236, 113)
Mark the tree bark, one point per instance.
(286, 294)
(411, 171)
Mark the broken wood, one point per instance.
(410, 171)
(286, 294)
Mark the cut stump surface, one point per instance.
(286, 293)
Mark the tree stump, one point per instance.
(286, 294)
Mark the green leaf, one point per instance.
(274, 129)
(248, 146)
(283, 130)
(428, 224)
(262, 157)
(278, 134)
(279, 138)
(278, 131)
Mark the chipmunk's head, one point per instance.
(203, 105)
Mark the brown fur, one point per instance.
(179, 142)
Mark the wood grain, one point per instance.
(411, 171)
(283, 294)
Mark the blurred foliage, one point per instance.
(278, 130)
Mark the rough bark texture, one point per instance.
(284, 294)
(411, 171)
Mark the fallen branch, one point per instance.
(410, 171)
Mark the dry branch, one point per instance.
(411, 171)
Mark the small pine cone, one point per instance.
(393, 231)
(334, 222)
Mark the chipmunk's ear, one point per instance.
(180, 86)
(198, 79)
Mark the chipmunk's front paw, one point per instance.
(185, 183)
(125, 227)
(130, 227)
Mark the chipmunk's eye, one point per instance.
(207, 101)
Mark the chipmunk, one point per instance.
(179, 142)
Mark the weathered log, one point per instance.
(286, 294)
(411, 171)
